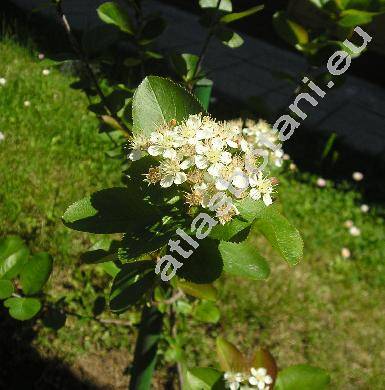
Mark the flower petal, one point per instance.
(167, 181)
(180, 178)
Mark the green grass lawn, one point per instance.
(328, 311)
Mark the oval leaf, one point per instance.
(202, 291)
(242, 259)
(113, 13)
(130, 284)
(204, 379)
(35, 273)
(302, 377)
(113, 210)
(13, 255)
(23, 309)
(158, 101)
(281, 234)
(230, 358)
(6, 289)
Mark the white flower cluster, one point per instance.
(259, 379)
(207, 157)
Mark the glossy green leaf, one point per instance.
(202, 291)
(13, 255)
(130, 284)
(240, 15)
(243, 259)
(230, 358)
(35, 273)
(113, 13)
(22, 308)
(288, 30)
(204, 379)
(204, 265)
(110, 268)
(207, 311)
(228, 37)
(281, 234)
(112, 210)
(229, 230)
(157, 101)
(6, 288)
(225, 5)
(302, 377)
(250, 209)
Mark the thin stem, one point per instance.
(206, 41)
(83, 58)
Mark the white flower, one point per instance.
(212, 157)
(3, 81)
(260, 378)
(321, 182)
(138, 144)
(354, 231)
(164, 144)
(2, 136)
(292, 167)
(41, 56)
(357, 176)
(46, 72)
(233, 380)
(172, 173)
(345, 253)
(364, 208)
(27, 103)
(286, 157)
(261, 188)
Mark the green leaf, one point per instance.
(242, 259)
(113, 13)
(202, 291)
(225, 5)
(250, 209)
(229, 230)
(281, 234)
(112, 210)
(152, 30)
(6, 289)
(302, 377)
(185, 65)
(22, 308)
(130, 284)
(288, 30)
(204, 379)
(240, 15)
(110, 268)
(207, 311)
(354, 17)
(35, 273)
(158, 101)
(228, 37)
(204, 265)
(13, 255)
(230, 358)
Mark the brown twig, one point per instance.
(83, 59)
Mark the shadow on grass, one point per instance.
(22, 367)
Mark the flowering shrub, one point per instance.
(178, 157)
